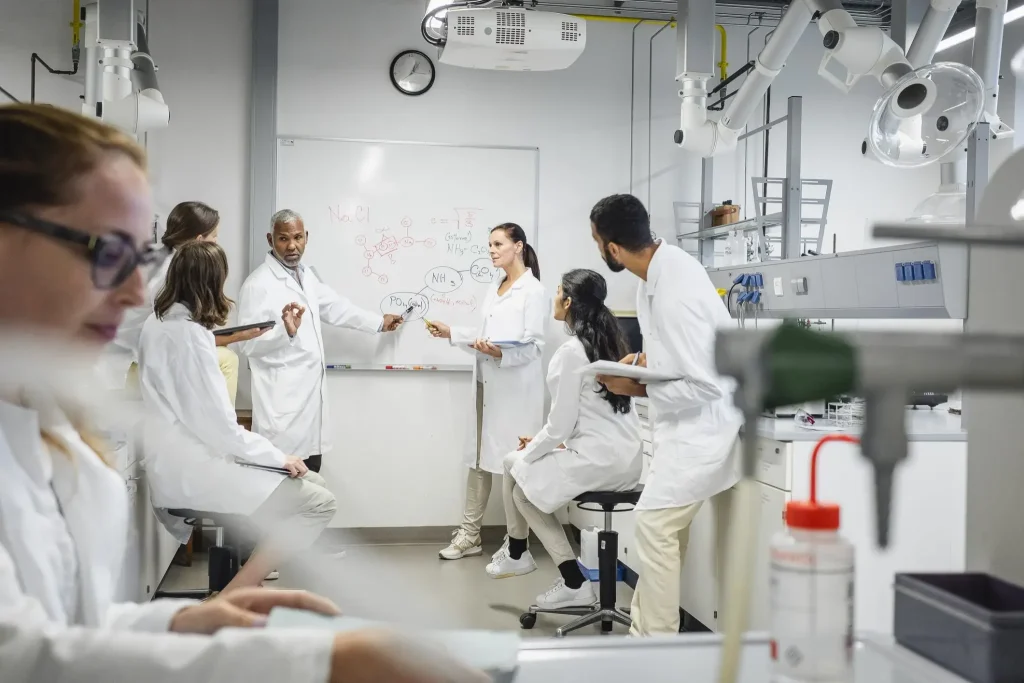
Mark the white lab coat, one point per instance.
(289, 400)
(52, 505)
(513, 384)
(124, 350)
(182, 383)
(603, 450)
(695, 422)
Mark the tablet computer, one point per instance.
(240, 328)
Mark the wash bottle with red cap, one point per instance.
(812, 591)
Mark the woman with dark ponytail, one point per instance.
(508, 347)
(591, 442)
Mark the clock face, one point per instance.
(412, 73)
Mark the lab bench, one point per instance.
(695, 658)
(929, 514)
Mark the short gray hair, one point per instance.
(284, 216)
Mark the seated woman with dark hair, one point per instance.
(180, 380)
(590, 442)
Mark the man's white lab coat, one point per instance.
(695, 421)
(64, 526)
(289, 400)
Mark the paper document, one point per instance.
(495, 652)
(637, 372)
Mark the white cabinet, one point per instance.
(927, 535)
(929, 515)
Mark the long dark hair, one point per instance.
(516, 234)
(196, 279)
(590, 321)
(188, 221)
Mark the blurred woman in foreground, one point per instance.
(74, 220)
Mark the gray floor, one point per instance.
(409, 584)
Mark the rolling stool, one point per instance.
(605, 610)
(224, 555)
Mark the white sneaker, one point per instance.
(504, 567)
(462, 545)
(273, 576)
(560, 596)
(503, 548)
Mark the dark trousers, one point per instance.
(313, 462)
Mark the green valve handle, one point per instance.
(801, 365)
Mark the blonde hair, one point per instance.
(44, 150)
(95, 443)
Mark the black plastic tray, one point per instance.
(971, 624)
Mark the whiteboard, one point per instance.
(398, 224)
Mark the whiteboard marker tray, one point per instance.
(694, 659)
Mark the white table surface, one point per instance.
(937, 424)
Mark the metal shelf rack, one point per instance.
(784, 228)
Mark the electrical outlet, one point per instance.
(777, 283)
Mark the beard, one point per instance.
(613, 265)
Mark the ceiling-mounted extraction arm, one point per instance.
(862, 51)
(120, 75)
(859, 51)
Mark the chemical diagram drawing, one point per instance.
(387, 246)
(443, 282)
(382, 249)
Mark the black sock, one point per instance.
(571, 574)
(516, 547)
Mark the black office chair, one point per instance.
(605, 610)
(225, 555)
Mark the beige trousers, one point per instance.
(661, 540)
(294, 515)
(522, 516)
(226, 359)
(478, 481)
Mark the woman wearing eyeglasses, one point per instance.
(187, 222)
(74, 216)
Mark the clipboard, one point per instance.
(265, 468)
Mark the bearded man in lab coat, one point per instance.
(695, 423)
(289, 404)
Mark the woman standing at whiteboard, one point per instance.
(508, 375)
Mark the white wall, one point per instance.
(40, 27)
(204, 51)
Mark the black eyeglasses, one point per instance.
(114, 256)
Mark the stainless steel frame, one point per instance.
(790, 218)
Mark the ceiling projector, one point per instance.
(508, 39)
